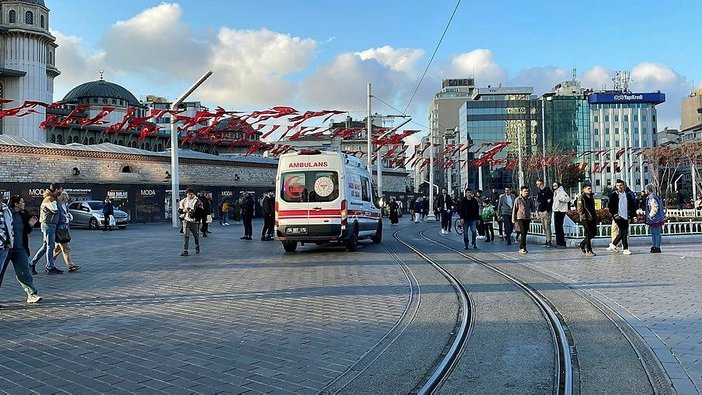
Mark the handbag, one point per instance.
(209, 218)
(113, 221)
(63, 236)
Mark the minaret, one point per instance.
(27, 64)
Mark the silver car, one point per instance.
(88, 213)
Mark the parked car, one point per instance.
(88, 213)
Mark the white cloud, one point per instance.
(155, 41)
(542, 79)
(402, 60)
(479, 64)
(75, 65)
(251, 66)
(597, 78)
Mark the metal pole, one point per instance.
(369, 130)
(543, 139)
(693, 173)
(175, 175)
(480, 177)
(431, 217)
(519, 157)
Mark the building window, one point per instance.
(596, 132)
(616, 118)
(12, 16)
(626, 118)
(597, 118)
(29, 18)
(41, 21)
(606, 130)
(606, 117)
(636, 117)
(597, 182)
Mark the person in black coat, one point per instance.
(394, 211)
(469, 212)
(444, 205)
(15, 226)
(108, 211)
(588, 219)
(268, 209)
(207, 212)
(622, 206)
(247, 212)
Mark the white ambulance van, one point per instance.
(324, 197)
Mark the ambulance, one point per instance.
(325, 197)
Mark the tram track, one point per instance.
(565, 347)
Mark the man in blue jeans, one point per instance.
(469, 211)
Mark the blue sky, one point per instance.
(320, 54)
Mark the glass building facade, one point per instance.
(497, 115)
(566, 128)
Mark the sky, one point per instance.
(315, 55)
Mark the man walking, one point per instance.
(268, 208)
(505, 205)
(545, 203)
(207, 213)
(191, 211)
(521, 215)
(469, 211)
(588, 219)
(444, 205)
(622, 206)
(560, 207)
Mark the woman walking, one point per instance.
(48, 216)
(394, 211)
(655, 217)
(588, 219)
(64, 247)
(15, 226)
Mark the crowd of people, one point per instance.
(513, 213)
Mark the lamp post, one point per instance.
(431, 217)
(519, 156)
(175, 174)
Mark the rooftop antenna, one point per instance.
(617, 80)
(626, 76)
(574, 74)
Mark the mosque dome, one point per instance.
(101, 89)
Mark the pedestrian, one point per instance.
(63, 246)
(488, 214)
(504, 210)
(544, 207)
(108, 213)
(494, 200)
(15, 226)
(425, 209)
(191, 212)
(588, 219)
(247, 212)
(444, 205)
(224, 213)
(48, 217)
(521, 215)
(268, 209)
(418, 210)
(560, 208)
(207, 213)
(394, 211)
(622, 207)
(680, 199)
(655, 217)
(469, 212)
(481, 230)
(411, 208)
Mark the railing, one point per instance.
(636, 229)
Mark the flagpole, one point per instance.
(369, 130)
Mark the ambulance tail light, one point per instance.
(344, 214)
(276, 213)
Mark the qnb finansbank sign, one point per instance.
(610, 98)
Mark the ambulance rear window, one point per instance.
(310, 186)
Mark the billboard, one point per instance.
(621, 97)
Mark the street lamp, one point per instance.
(175, 174)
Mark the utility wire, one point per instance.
(432, 56)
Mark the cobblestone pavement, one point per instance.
(242, 317)
(657, 294)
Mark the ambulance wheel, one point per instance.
(378, 237)
(352, 242)
(290, 246)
